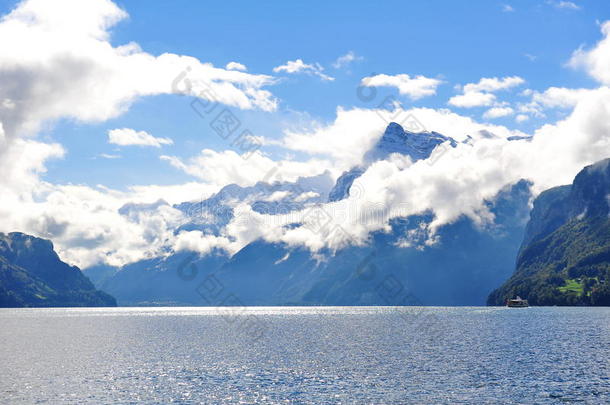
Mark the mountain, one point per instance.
(32, 275)
(167, 281)
(466, 261)
(459, 269)
(158, 281)
(416, 145)
(344, 182)
(565, 255)
(277, 197)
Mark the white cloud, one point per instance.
(415, 87)
(493, 84)
(277, 196)
(128, 136)
(109, 156)
(551, 98)
(563, 4)
(306, 196)
(173, 194)
(472, 99)
(236, 66)
(228, 167)
(197, 241)
(57, 64)
(560, 97)
(521, 118)
(353, 132)
(346, 59)
(21, 165)
(507, 8)
(498, 112)
(456, 182)
(597, 60)
(87, 228)
(85, 222)
(298, 66)
(480, 94)
(531, 57)
(3, 139)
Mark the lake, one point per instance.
(322, 355)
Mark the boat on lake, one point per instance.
(517, 303)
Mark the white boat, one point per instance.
(517, 303)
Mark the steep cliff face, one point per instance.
(565, 255)
(32, 275)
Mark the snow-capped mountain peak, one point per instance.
(416, 145)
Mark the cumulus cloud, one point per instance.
(553, 97)
(454, 182)
(55, 64)
(128, 136)
(355, 131)
(197, 241)
(95, 224)
(229, 167)
(472, 99)
(559, 97)
(277, 196)
(298, 66)
(522, 118)
(109, 156)
(498, 112)
(493, 84)
(564, 4)
(88, 225)
(414, 87)
(595, 61)
(345, 60)
(480, 94)
(236, 66)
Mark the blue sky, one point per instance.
(96, 95)
(457, 42)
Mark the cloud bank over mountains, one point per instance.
(66, 68)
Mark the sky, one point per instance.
(103, 103)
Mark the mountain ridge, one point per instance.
(32, 275)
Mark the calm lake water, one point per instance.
(305, 355)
